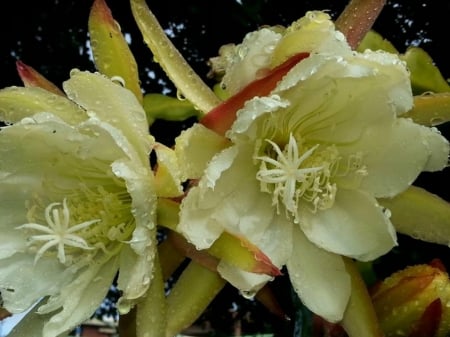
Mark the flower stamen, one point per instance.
(296, 175)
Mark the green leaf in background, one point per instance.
(158, 106)
(425, 76)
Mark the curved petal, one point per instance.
(45, 145)
(21, 290)
(80, 298)
(195, 147)
(394, 156)
(438, 148)
(248, 283)
(18, 102)
(249, 57)
(333, 98)
(355, 226)
(228, 197)
(137, 264)
(111, 103)
(276, 243)
(319, 278)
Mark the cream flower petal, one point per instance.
(333, 99)
(40, 145)
(80, 298)
(111, 103)
(22, 290)
(137, 265)
(394, 156)
(206, 143)
(95, 179)
(31, 322)
(319, 278)
(354, 226)
(248, 283)
(227, 198)
(253, 54)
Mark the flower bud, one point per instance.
(414, 302)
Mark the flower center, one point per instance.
(298, 174)
(76, 230)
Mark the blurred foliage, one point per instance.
(51, 36)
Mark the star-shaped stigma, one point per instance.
(290, 179)
(57, 232)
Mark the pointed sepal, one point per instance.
(112, 55)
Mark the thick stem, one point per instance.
(191, 295)
(358, 18)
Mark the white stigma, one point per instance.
(57, 232)
(291, 178)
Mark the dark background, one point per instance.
(51, 36)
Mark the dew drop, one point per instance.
(434, 121)
(250, 295)
(119, 80)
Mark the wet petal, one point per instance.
(21, 290)
(108, 101)
(18, 102)
(276, 242)
(319, 278)
(227, 198)
(395, 156)
(354, 226)
(80, 298)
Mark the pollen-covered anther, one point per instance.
(294, 174)
(58, 232)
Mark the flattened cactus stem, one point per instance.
(151, 311)
(360, 319)
(190, 296)
(170, 258)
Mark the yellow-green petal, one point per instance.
(375, 41)
(158, 106)
(112, 55)
(179, 71)
(430, 109)
(425, 76)
(359, 319)
(32, 78)
(420, 214)
(18, 102)
(167, 173)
